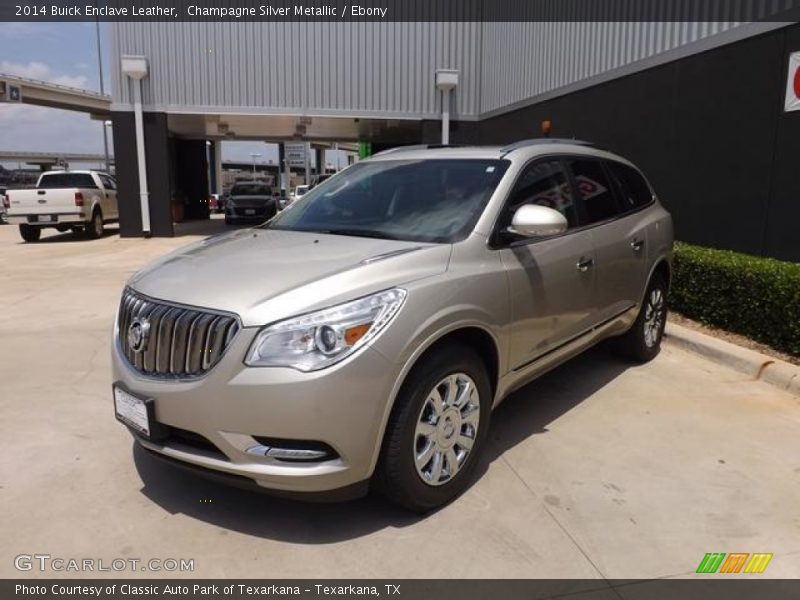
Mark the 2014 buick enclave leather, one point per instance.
(364, 334)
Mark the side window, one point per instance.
(599, 201)
(544, 183)
(634, 190)
(108, 183)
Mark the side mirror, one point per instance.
(533, 220)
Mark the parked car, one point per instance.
(250, 202)
(299, 192)
(3, 205)
(322, 178)
(216, 203)
(81, 201)
(364, 336)
(282, 199)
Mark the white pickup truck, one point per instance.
(82, 201)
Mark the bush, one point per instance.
(753, 296)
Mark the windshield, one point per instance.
(417, 200)
(250, 189)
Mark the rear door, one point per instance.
(109, 200)
(619, 237)
(551, 280)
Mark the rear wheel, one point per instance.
(30, 233)
(642, 342)
(95, 228)
(437, 430)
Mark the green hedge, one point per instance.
(753, 296)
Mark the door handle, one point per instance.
(584, 264)
(637, 244)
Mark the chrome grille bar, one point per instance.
(178, 341)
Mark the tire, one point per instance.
(95, 228)
(30, 233)
(642, 342)
(419, 485)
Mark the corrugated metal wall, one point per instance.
(356, 68)
(523, 60)
(378, 69)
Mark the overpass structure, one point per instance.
(45, 160)
(32, 91)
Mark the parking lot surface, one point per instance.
(600, 469)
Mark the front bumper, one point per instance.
(343, 406)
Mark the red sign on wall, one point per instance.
(793, 83)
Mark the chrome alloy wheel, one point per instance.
(654, 314)
(446, 429)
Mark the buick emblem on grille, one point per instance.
(138, 334)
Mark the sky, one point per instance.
(66, 53)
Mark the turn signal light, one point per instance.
(353, 334)
(78, 199)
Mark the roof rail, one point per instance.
(540, 141)
(416, 147)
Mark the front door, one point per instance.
(551, 280)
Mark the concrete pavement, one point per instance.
(598, 470)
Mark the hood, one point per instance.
(265, 275)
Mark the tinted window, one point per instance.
(107, 182)
(543, 183)
(54, 181)
(595, 190)
(420, 200)
(250, 189)
(634, 191)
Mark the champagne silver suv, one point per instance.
(364, 335)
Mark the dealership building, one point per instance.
(709, 110)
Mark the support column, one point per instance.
(287, 172)
(282, 186)
(157, 162)
(320, 158)
(307, 163)
(217, 147)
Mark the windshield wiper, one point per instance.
(369, 233)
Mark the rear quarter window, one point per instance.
(634, 191)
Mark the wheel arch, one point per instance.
(474, 336)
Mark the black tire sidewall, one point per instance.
(397, 475)
(30, 233)
(91, 229)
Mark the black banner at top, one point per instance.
(401, 10)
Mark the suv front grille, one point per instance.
(165, 340)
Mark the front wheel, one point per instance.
(642, 342)
(30, 233)
(437, 430)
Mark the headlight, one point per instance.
(320, 339)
